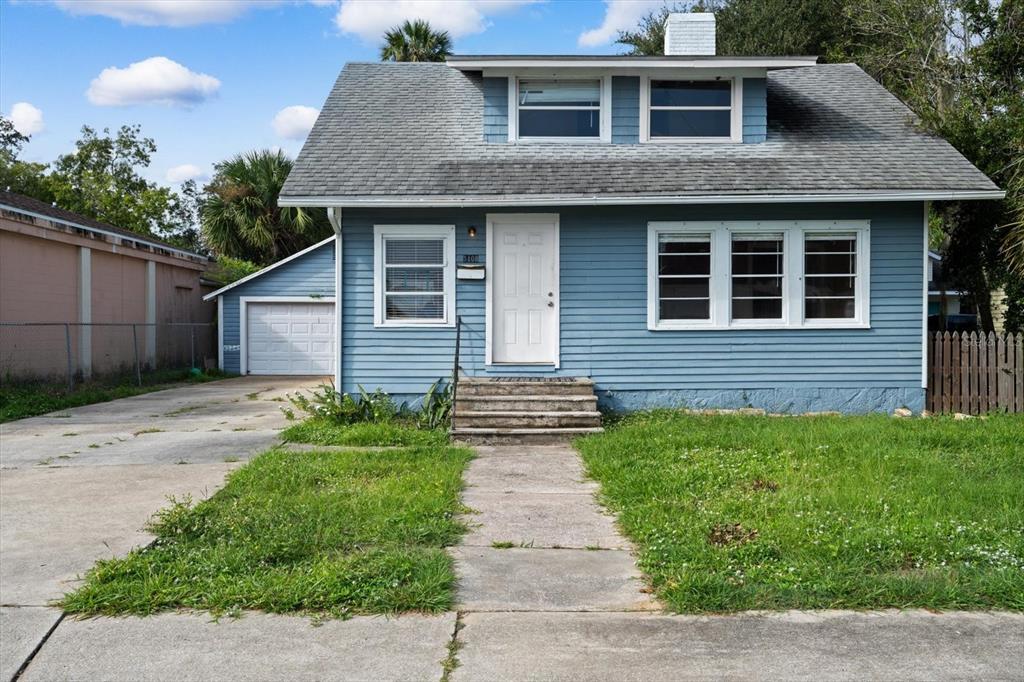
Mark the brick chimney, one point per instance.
(690, 34)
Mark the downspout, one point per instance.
(334, 215)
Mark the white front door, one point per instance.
(523, 286)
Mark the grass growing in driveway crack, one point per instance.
(335, 532)
(739, 512)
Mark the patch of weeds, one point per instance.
(239, 428)
(451, 661)
(731, 534)
(255, 395)
(185, 409)
(761, 484)
(69, 434)
(502, 544)
(231, 460)
(182, 461)
(145, 431)
(94, 446)
(63, 456)
(594, 548)
(45, 462)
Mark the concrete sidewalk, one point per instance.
(555, 607)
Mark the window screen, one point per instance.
(684, 277)
(830, 276)
(414, 279)
(757, 272)
(559, 108)
(690, 108)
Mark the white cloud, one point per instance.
(369, 19)
(174, 13)
(27, 119)
(157, 80)
(295, 122)
(620, 15)
(186, 171)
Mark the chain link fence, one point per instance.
(72, 352)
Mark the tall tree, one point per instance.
(751, 27)
(16, 175)
(241, 217)
(103, 179)
(415, 41)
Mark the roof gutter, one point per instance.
(96, 230)
(604, 200)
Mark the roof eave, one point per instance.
(609, 200)
(259, 273)
(477, 63)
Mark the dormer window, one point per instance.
(560, 109)
(691, 110)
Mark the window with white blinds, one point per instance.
(758, 274)
(413, 275)
(549, 108)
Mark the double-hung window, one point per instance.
(758, 274)
(691, 110)
(684, 277)
(414, 275)
(559, 108)
(830, 276)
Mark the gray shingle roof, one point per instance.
(403, 131)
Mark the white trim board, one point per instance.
(540, 218)
(267, 269)
(243, 321)
(611, 200)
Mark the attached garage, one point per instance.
(283, 337)
(281, 319)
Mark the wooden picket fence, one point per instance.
(975, 373)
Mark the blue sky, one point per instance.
(211, 75)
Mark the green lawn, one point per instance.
(330, 532)
(736, 512)
(323, 432)
(20, 400)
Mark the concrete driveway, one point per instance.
(79, 485)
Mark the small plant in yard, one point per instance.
(369, 419)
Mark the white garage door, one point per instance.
(290, 338)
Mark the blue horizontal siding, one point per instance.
(625, 109)
(308, 275)
(604, 331)
(495, 109)
(755, 110)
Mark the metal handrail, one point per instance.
(455, 365)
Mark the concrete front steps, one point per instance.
(534, 411)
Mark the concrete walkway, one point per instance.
(566, 602)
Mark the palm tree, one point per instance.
(240, 215)
(415, 41)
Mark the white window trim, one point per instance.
(794, 232)
(605, 111)
(736, 119)
(447, 232)
(243, 321)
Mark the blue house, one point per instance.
(688, 230)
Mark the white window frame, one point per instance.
(382, 232)
(735, 107)
(794, 233)
(605, 115)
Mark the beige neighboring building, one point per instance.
(58, 266)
